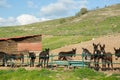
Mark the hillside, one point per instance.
(73, 29)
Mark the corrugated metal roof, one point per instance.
(18, 37)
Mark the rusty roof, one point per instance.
(18, 37)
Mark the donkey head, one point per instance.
(86, 54)
(117, 53)
(95, 46)
(102, 49)
(47, 50)
(74, 51)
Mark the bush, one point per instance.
(82, 12)
(62, 20)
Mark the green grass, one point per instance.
(54, 42)
(59, 74)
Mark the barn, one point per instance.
(21, 43)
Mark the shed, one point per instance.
(21, 43)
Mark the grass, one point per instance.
(54, 42)
(59, 74)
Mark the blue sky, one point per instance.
(21, 12)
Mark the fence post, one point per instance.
(27, 60)
(82, 59)
(51, 60)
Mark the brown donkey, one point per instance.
(106, 58)
(96, 55)
(44, 57)
(117, 53)
(64, 55)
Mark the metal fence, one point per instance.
(54, 57)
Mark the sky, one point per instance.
(22, 12)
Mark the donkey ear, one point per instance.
(83, 48)
(74, 48)
(45, 49)
(119, 48)
(114, 48)
(104, 45)
(48, 49)
(93, 44)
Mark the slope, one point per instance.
(73, 29)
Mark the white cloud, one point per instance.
(26, 19)
(7, 22)
(44, 19)
(3, 3)
(2, 20)
(21, 20)
(62, 8)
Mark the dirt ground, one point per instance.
(110, 42)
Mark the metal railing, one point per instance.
(52, 56)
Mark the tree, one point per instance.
(81, 12)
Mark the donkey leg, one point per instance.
(103, 64)
(44, 62)
(39, 62)
(33, 62)
(30, 62)
(98, 67)
(108, 65)
(59, 58)
(21, 62)
(94, 63)
(47, 62)
(111, 66)
(4, 63)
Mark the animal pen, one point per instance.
(80, 62)
(33, 44)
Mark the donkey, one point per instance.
(87, 55)
(63, 55)
(13, 57)
(117, 53)
(32, 57)
(96, 55)
(106, 57)
(3, 58)
(44, 57)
